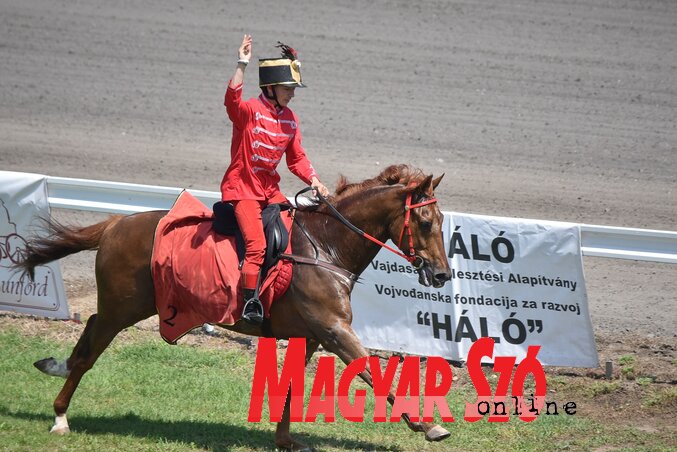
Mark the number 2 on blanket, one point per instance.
(169, 320)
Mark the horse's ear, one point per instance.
(425, 187)
(437, 181)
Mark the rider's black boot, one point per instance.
(253, 309)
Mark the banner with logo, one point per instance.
(518, 281)
(23, 200)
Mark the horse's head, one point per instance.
(401, 201)
(419, 232)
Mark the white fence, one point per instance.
(117, 197)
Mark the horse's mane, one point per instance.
(392, 175)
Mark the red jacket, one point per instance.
(261, 136)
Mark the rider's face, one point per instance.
(284, 94)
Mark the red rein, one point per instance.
(414, 260)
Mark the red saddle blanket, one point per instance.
(195, 271)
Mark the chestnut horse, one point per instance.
(317, 304)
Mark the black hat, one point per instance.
(281, 71)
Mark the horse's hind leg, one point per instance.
(125, 296)
(93, 341)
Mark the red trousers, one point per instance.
(248, 215)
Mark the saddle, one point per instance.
(195, 272)
(277, 236)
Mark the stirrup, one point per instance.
(253, 311)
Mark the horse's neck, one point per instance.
(371, 211)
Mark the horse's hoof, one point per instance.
(51, 366)
(60, 430)
(437, 433)
(44, 364)
(60, 426)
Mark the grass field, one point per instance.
(145, 395)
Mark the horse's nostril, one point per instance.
(443, 277)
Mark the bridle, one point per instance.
(415, 260)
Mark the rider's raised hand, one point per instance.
(244, 53)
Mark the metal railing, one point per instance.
(119, 197)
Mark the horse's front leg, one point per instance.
(343, 342)
(283, 438)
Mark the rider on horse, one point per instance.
(264, 129)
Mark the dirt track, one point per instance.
(558, 110)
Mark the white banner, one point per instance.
(518, 281)
(23, 199)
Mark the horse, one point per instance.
(316, 306)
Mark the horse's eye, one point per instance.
(426, 226)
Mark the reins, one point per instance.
(408, 206)
(414, 260)
(316, 260)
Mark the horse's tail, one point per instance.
(62, 241)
